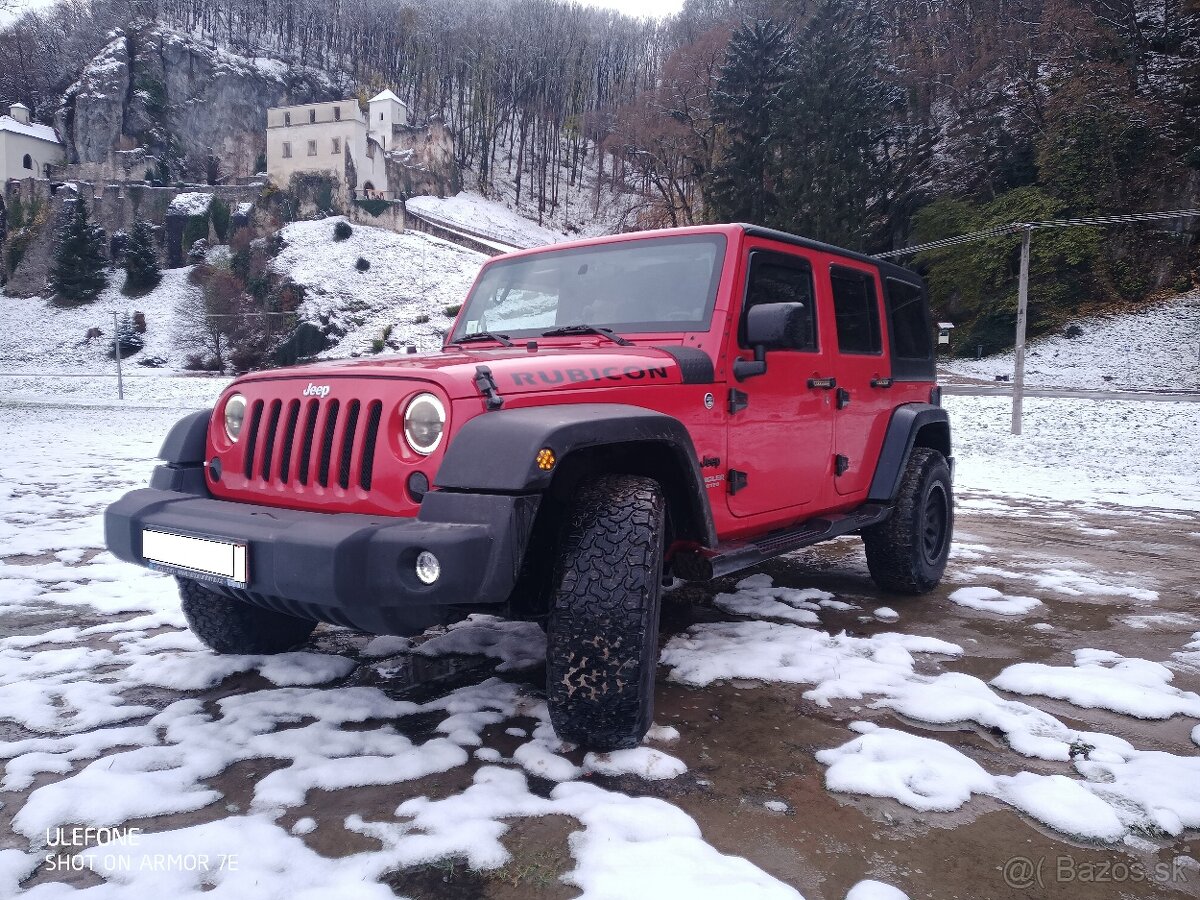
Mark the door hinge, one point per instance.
(840, 464)
(738, 400)
(843, 398)
(736, 480)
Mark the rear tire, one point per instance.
(231, 626)
(603, 629)
(907, 553)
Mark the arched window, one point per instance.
(27, 162)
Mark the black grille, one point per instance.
(302, 442)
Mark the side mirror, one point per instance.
(773, 326)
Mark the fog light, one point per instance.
(545, 459)
(428, 568)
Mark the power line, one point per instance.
(1013, 228)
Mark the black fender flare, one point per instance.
(497, 452)
(183, 455)
(909, 423)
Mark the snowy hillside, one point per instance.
(40, 336)
(476, 214)
(413, 278)
(1158, 347)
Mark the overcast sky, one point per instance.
(639, 7)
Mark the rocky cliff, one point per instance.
(200, 110)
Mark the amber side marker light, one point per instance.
(545, 459)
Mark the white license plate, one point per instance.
(222, 559)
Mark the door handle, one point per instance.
(826, 384)
(881, 382)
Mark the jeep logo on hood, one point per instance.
(316, 390)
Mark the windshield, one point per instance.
(656, 284)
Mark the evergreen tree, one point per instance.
(79, 272)
(748, 101)
(141, 259)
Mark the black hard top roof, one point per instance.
(886, 268)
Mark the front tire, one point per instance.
(907, 553)
(602, 646)
(231, 626)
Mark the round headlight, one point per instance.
(235, 412)
(424, 420)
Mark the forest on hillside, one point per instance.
(872, 124)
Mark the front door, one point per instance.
(780, 426)
(862, 397)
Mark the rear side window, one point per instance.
(911, 331)
(779, 278)
(856, 310)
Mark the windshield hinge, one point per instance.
(486, 385)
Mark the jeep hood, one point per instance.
(515, 370)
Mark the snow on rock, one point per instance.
(387, 645)
(518, 645)
(776, 806)
(1102, 679)
(191, 203)
(412, 279)
(991, 600)
(653, 765)
(1080, 450)
(1188, 659)
(886, 614)
(475, 214)
(1154, 347)
(875, 890)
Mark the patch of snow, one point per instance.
(1102, 679)
(518, 645)
(652, 765)
(190, 203)
(991, 600)
(664, 734)
(473, 213)
(1080, 450)
(776, 806)
(886, 614)
(1154, 347)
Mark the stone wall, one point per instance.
(114, 207)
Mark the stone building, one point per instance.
(337, 138)
(27, 149)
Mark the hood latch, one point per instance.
(486, 385)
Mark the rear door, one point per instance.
(780, 427)
(863, 396)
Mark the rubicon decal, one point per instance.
(576, 376)
(316, 390)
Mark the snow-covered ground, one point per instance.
(476, 214)
(1156, 347)
(413, 278)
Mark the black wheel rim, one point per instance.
(937, 513)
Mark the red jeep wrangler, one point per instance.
(604, 415)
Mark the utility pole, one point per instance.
(1018, 394)
(117, 356)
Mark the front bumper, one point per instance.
(345, 568)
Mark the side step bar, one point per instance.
(732, 557)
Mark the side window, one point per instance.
(911, 337)
(856, 310)
(779, 278)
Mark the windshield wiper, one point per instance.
(588, 329)
(484, 336)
